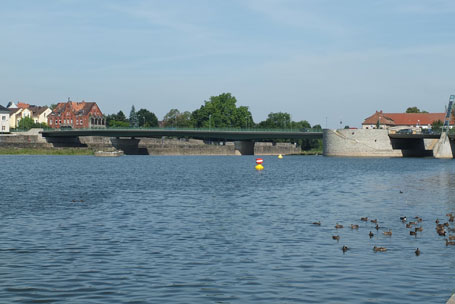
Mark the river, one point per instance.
(212, 229)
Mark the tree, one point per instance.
(174, 118)
(147, 119)
(221, 112)
(414, 110)
(133, 118)
(436, 126)
(117, 120)
(278, 120)
(27, 123)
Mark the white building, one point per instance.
(4, 120)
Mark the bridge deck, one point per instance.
(199, 134)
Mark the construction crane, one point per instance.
(445, 127)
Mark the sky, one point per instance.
(329, 62)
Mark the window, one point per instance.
(3, 128)
(3, 117)
(50, 122)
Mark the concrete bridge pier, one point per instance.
(444, 148)
(127, 145)
(65, 142)
(244, 147)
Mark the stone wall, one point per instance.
(358, 143)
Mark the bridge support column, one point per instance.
(127, 145)
(443, 148)
(244, 147)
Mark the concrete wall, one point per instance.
(358, 143)
(153, 146)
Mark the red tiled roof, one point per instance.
(23, 105)
(404, 119)
(79, 108)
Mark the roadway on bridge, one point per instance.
(214, 134)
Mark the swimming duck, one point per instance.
(375, 221)
(420, 229)
(451, 237)
(317, 223)
(336, 237)
(408, 225)
(437, 221)
(379, 249)
(388, 233)
(441, 232)
(371, 234)
(354, 226)
(345, 248)
(338, 226)
(364, 219)
(412, 232)
(403, 218)
(449, 242)
(417, 252)
(377, 227)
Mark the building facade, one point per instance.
(4, 120)
(39, 114)
(76, 115)
(380, 120)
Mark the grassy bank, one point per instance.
(39, 151)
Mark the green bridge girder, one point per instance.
(213, 134)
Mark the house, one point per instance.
(76, 115)
(4, 120)
(402, 120)
(21, 110)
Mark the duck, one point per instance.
(403, 218)
(371, 234)
(412, 223)
(451, 243)
(377, 227)
(417, 252)
(412, 232)
(388, 233)
(451, 237)
(441, 232)
(338, 226)
(451, 219)
(401, 192)
(437, 221)
(379, 249)
(450, 214)
(375, 221)
(420, 229)
(354, 226)
(364, 219)
(345, 248)
(317, 223)
(336, 237)
(408, 225)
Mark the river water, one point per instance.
(190, 229)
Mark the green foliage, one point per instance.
(278, 120)
(174, 118)
(117, 120)
(221, 112)
(436, 125)
(414, 110)
(28, 123)
(147, 119)
(134, 122)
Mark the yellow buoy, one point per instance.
(259, 162)
(280, 156)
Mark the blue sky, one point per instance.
(334, 61)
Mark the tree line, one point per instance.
(218, 112)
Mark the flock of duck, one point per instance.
(414, 226)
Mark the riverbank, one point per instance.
(40, 151)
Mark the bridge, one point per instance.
(126, 139)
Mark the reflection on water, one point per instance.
(212, 229)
